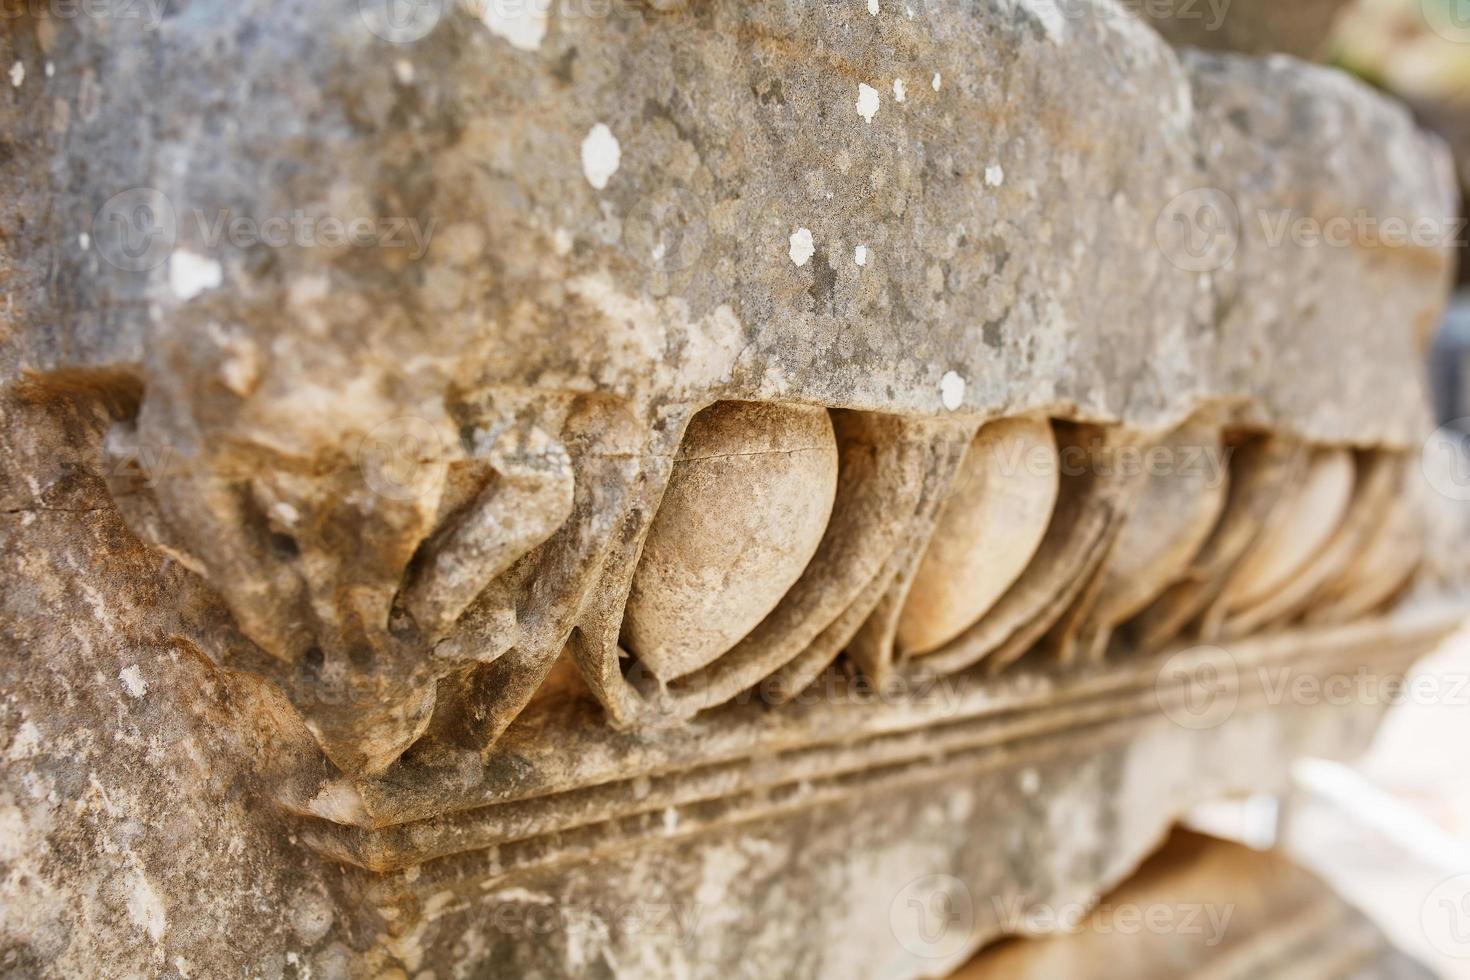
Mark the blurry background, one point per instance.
(1390, 829)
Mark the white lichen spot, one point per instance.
(50, 69)
(523, 25)
(900, 90)
(860, 255)
(403, 71)
(133, 681)
(952, 391)
(867, 103)
(26, 743)
(190, 274)
(601, 155)
(873, 7)
(936, 81)
(84, 240)
(910, 11)
(802, 246)
(671, 820)
(561, 242)
(145, 908)
(17, 74)
(995, 175)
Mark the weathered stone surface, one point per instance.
(1011, 263)
(331, 546)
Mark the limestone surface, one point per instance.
(384, 395)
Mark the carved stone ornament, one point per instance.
(471, 468)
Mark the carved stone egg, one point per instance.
(1308, 516)
(746, 506)
(990, 528)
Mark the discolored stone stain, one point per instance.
(770, 92)
(996, 248)
(992, 334)
(563, 70)
(824, 282)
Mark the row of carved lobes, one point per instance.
(668, 571)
